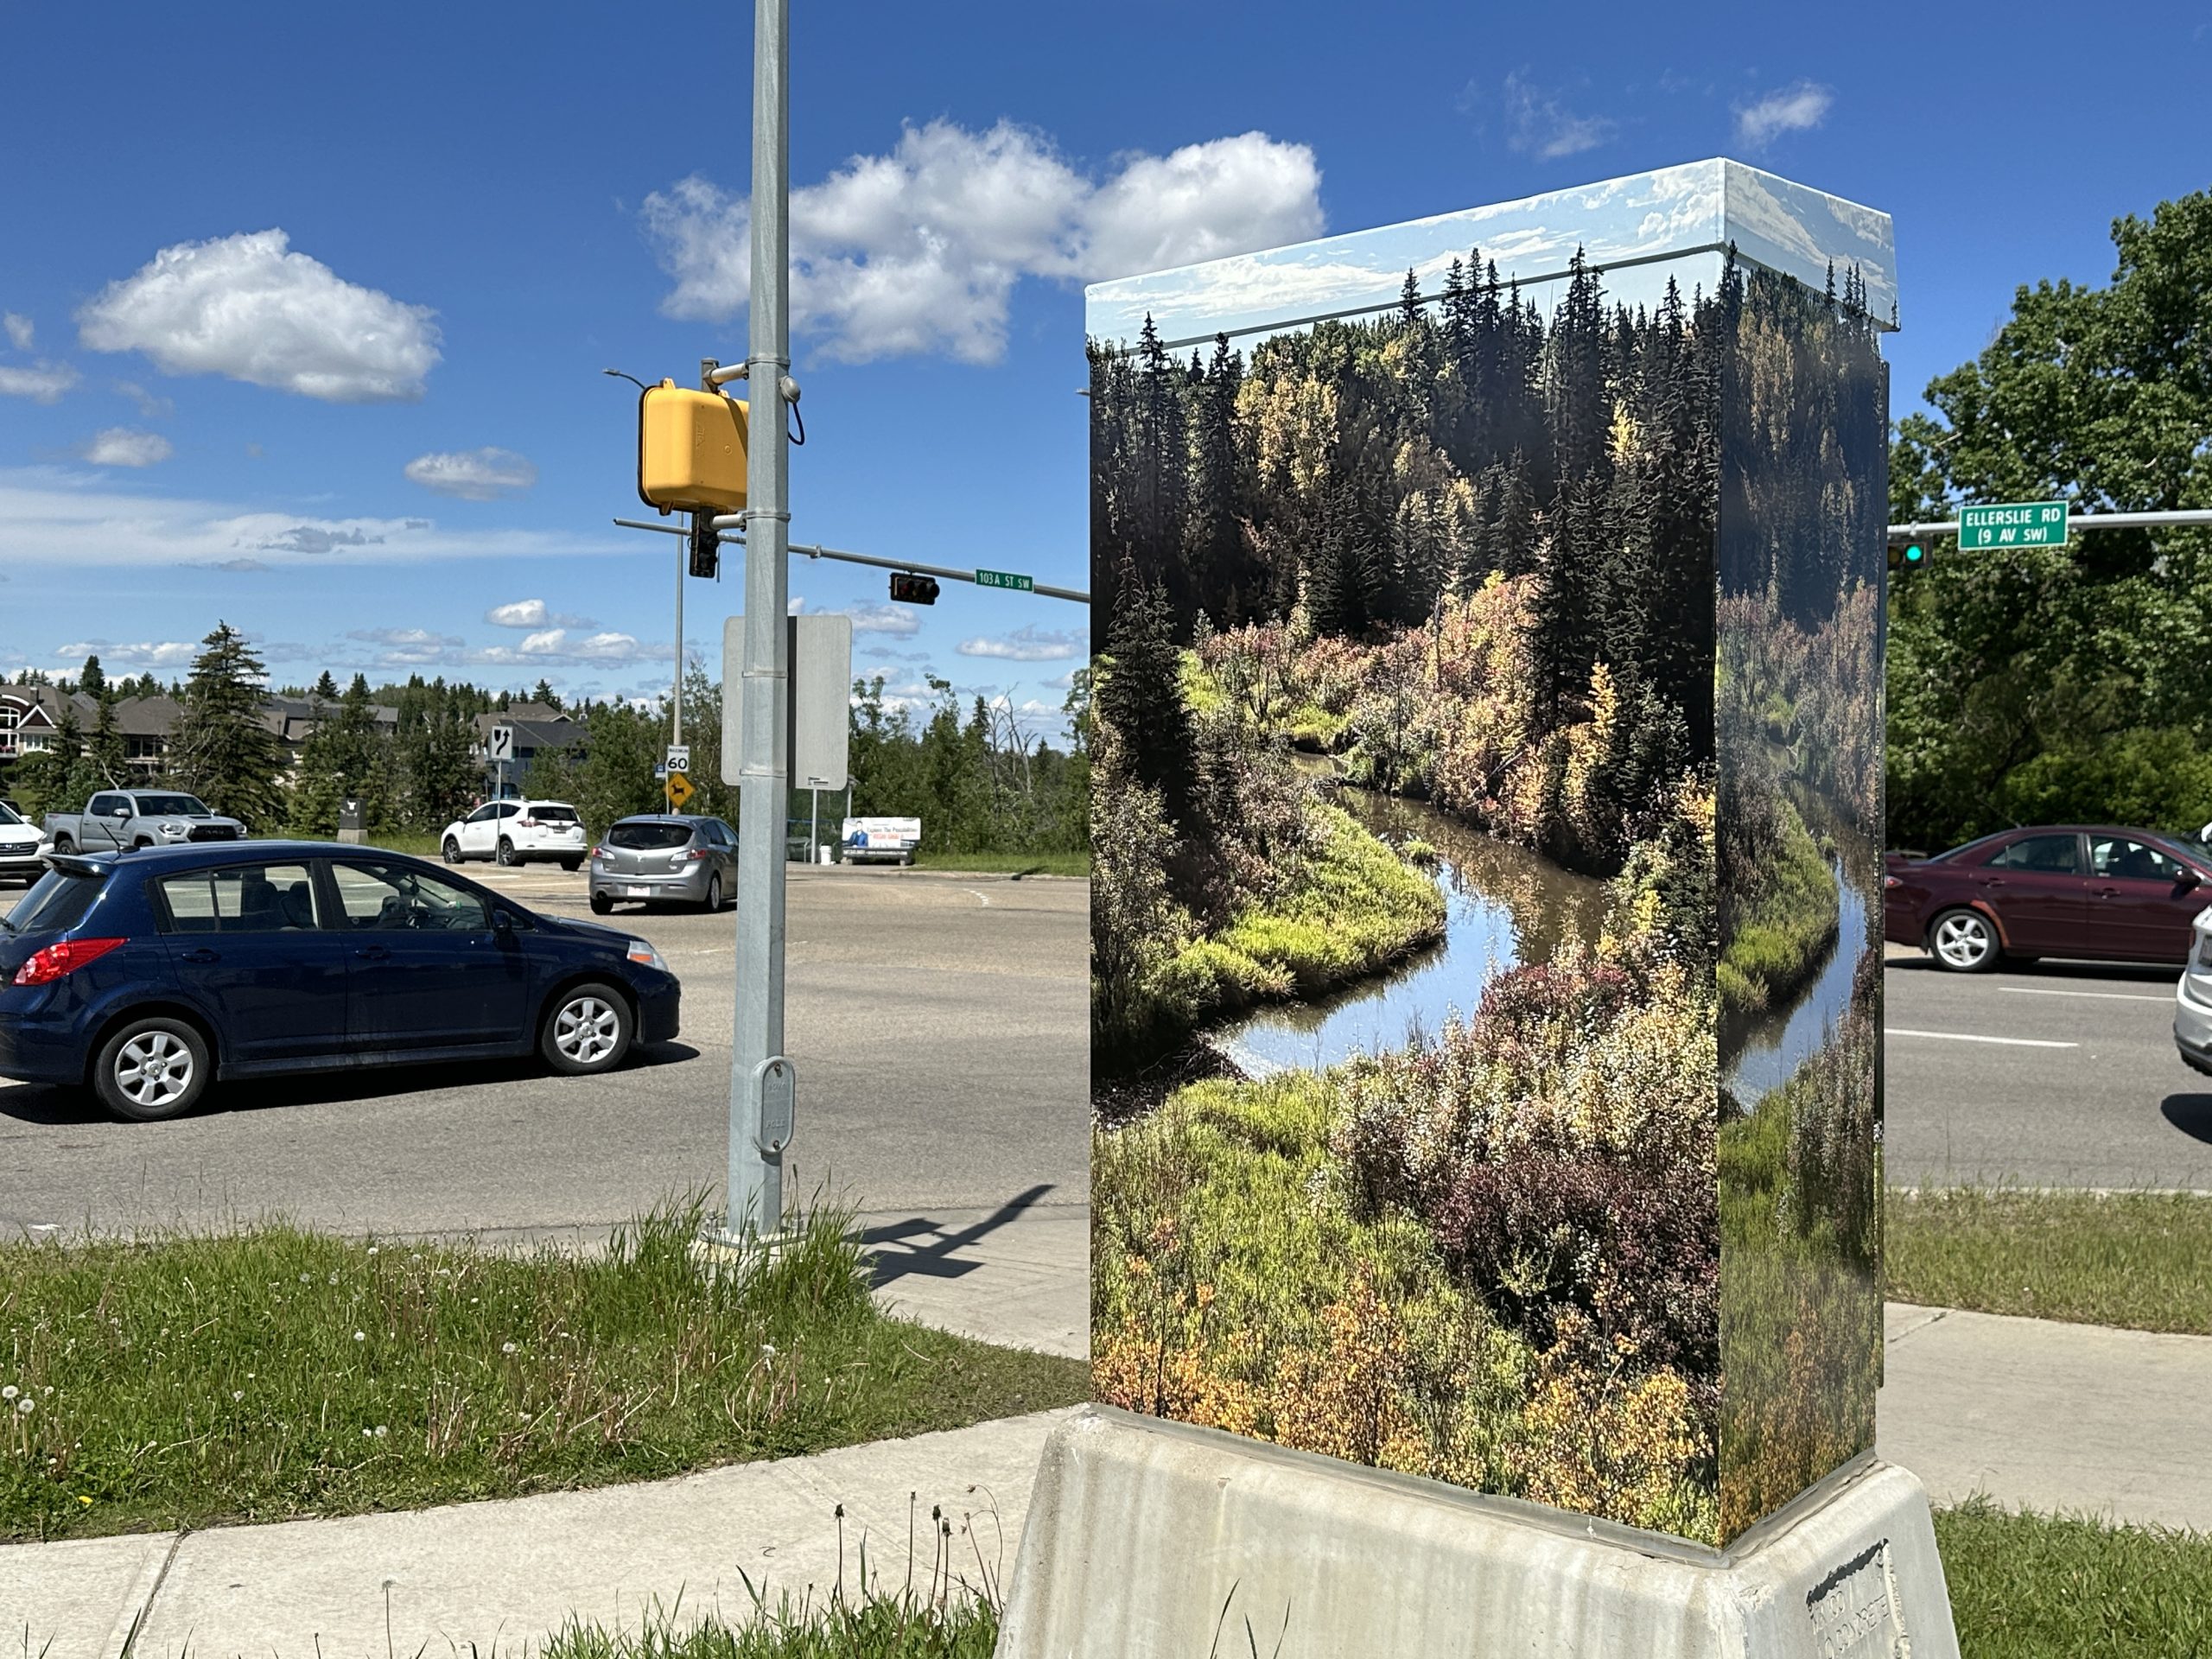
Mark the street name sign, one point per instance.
(1019, 583)
(2016, 523)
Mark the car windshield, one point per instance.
(57, 901)
(545, 814)
(9, 815)
(649, 837)
(171, 806)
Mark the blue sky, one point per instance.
(305, 309)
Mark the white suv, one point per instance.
(518, 832)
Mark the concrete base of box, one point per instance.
(1147, 1537)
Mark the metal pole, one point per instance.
(813, 822)
(676, 707)
(2163, 519)
(760, 1077)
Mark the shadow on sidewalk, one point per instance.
(917, 1246)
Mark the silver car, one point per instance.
(665, 858)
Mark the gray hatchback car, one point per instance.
(665, 858)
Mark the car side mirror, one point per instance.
(501, 921)
(2186, 877)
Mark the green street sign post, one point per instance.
(1020, 584)
(2020, 523)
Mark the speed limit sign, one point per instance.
(679, 756)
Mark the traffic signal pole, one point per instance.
(761, 1091)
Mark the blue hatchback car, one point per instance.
(150, 974)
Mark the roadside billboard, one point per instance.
(880, 840)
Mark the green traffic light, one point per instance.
(1916, 554)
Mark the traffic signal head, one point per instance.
(1908, 556)
(690, 449)
(910, 589)
(706, 548)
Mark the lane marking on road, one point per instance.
(1964, 1037)
(982, 898)
(2102, 997)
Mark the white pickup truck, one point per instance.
(117, 820)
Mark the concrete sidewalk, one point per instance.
(2055, 1417)
(506, 1575)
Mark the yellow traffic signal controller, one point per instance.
(691, 450)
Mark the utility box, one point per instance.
(692, 450)
(1552, 531)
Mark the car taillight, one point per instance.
(598, 852)
(1892, 881)
(59, 961)
(527, 823)
(696, 853)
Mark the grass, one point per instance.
(1076, 864)
(878, 1627)
(2138, 1260)
(1779, 944)
(424, 845)
(2028, 1586)
(273, 1372)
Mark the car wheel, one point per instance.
(714, 893)
(151, 1069)
(452, 850)
(601, 904)
(588, 1030)
(1964, 942)
(63, 844)
(506, 854)
(572, 865)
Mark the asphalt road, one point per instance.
(2075, 1084)
(939, 1024)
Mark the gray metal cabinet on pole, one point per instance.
(760, 1083)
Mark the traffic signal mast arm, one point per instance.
(734, 521)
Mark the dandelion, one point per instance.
(236, 1395)
(767, 1351)
(333, 1278)
(372, 1249)
(24, 1406)
(380, 1431)
(307, 1278)
(9, 1393)
(506, 1347)
(365, 1433)
(360, 1336)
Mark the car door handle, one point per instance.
(2108, 893)
(373, 953)
(202, 954)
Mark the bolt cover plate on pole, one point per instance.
(775, 1084)
(2013, 524)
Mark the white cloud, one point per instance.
(407, 638)
(1537, 123)
(1029, 644)
(473, 474)
(42, 383)
(167, 653)
(898, 621)
(532, 613)
(70, 519)
(21, 332)
(1794, 108)
(150, 407)
(920, 251)
(121, 447)
(245, 307)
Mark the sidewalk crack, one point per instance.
(139, 1620)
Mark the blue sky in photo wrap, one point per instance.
(303, 327)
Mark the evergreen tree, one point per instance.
(224, 751)
(92, 682)
(1140, 693)
(326, 688)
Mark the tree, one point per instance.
(92, 682)
(345, 757)
(2016, 678)
(224, 752)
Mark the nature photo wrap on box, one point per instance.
(1486, 736)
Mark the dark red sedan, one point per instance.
(2050, 890)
